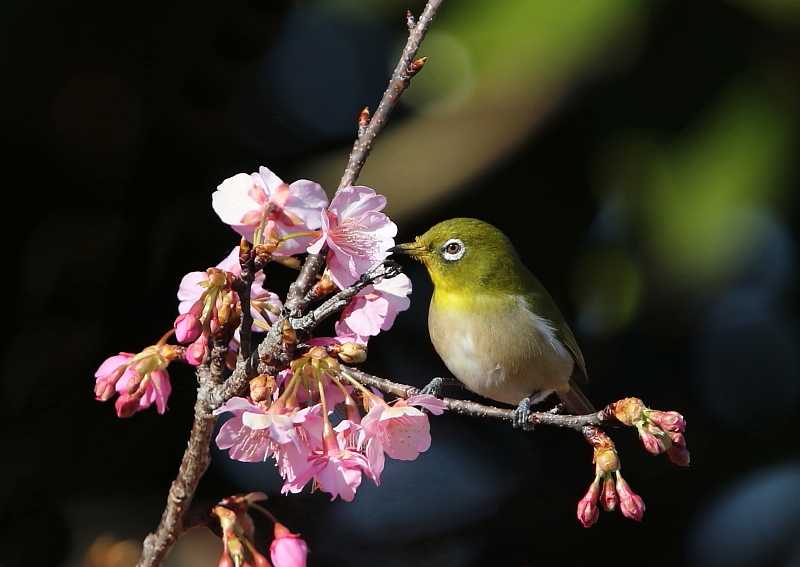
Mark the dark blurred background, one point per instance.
(642, 156)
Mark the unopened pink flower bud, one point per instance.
(104, 390)
(679, 455)
(225, 560)
(677, 439)
(187, 327)
(588, 511)
(630, 503)
(610, 498)
(667, 420)
(197, 351)
(653, 444)
(287, 549)
(127, 405)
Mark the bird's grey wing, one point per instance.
(540, 302)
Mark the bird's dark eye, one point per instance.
(453, 250)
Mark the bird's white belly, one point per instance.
(502, 353)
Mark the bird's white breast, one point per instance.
(498, 348)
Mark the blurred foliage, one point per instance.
(695, 200)
(513, 57)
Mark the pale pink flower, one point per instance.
(242, 442)
(287, 549)
(402, 430)
(375, 307)
(357, 233)
(246, 201)
(253, 433)
(141, 380)
(339, 472)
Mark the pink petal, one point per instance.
(430, 403)
(161, 387)
(230, 263)
(353, 202)
(112, 363)
(236, 406)
(270, 180)
(407, 437)
(307, 201)
(232, 201)
(189, 291)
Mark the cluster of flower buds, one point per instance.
(294, 427)
(659, 431)
(139, 379)
(608, 489)
(210, 307)
(238, 536)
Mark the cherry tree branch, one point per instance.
(273, 349)
(475, 409)
(405, 69)
(193, 465)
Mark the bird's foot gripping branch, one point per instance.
(259, 359)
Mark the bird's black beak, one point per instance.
(414, 249)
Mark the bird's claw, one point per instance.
(434, 387)
(521, 415)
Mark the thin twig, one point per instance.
(247, 263)
(397, 85)
(475, 409)
(339, 301)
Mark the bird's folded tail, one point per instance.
(575, 400)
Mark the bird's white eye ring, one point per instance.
(453, 250)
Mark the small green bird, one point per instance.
(493, 324)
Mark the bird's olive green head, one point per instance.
(467, 254)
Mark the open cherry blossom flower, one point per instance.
(337, 471)
(357, 233)
(375, 307)
(401, 430)
(263, 202)
(242, 443)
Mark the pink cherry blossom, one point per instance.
(287, 549)
(141, 380)
(337, 472)
(242, 442)
(375, 307)
(402, 430)
(246, 201)
(357, 233)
